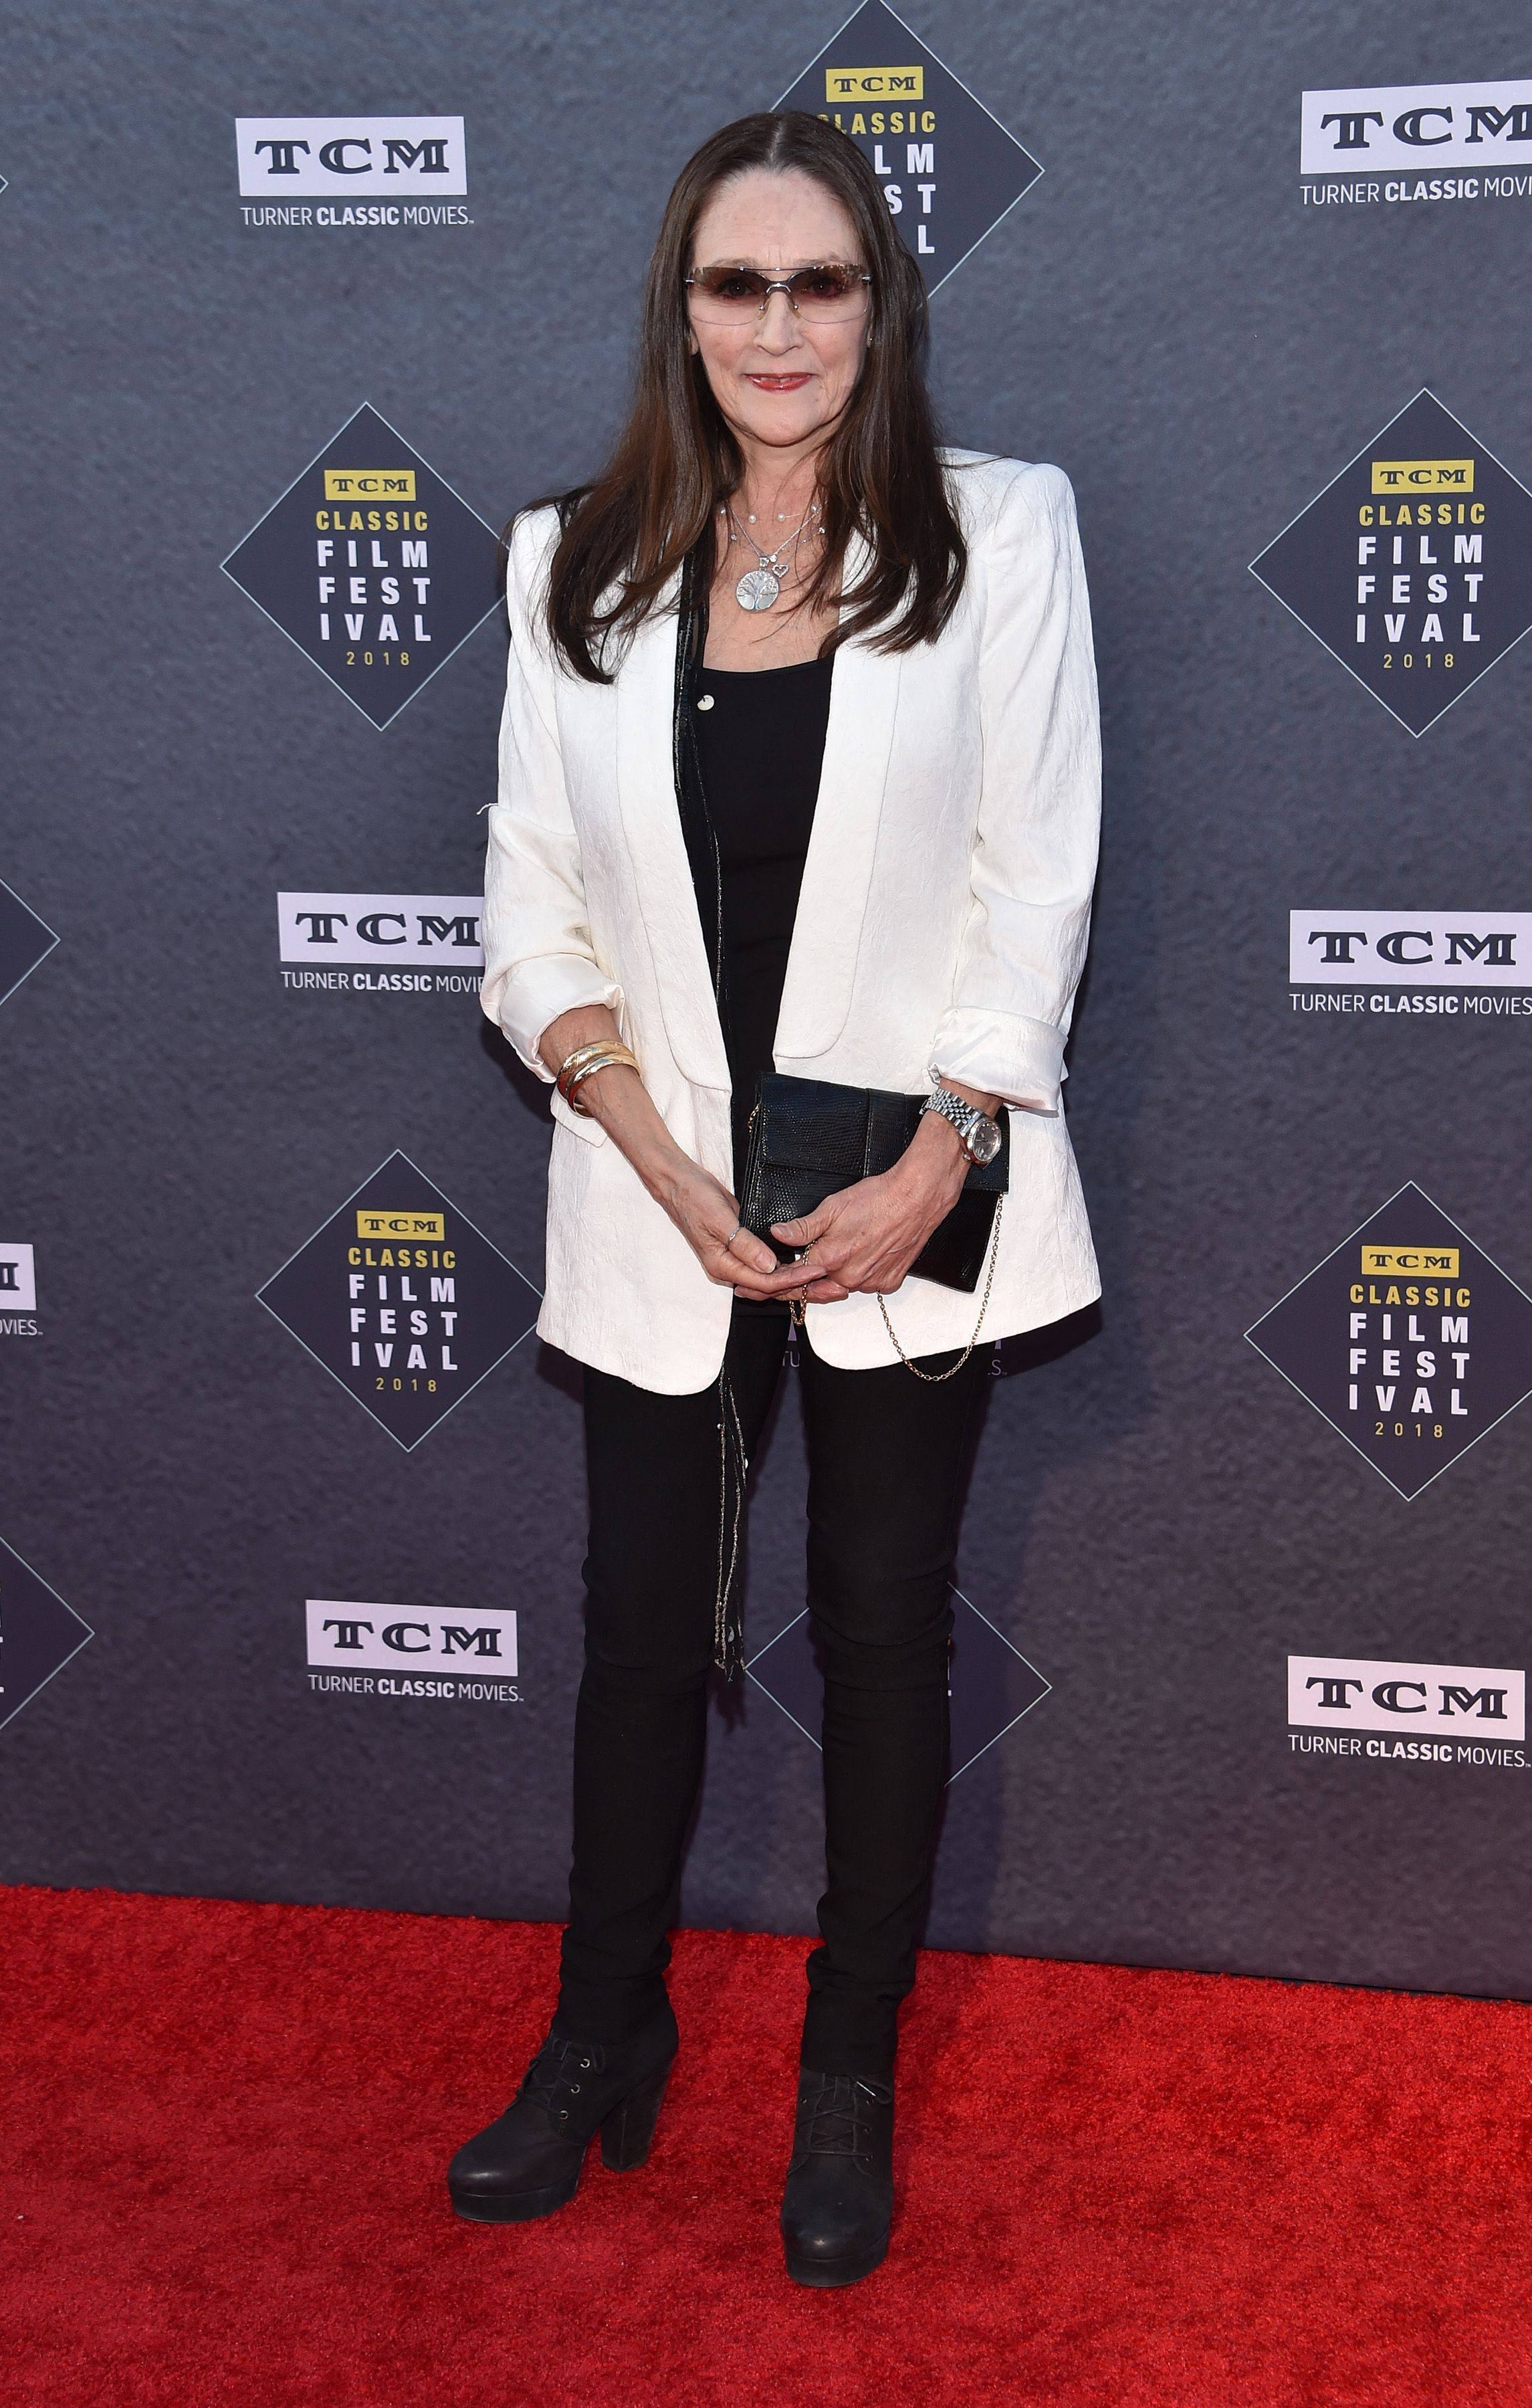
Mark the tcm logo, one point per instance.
(850, 84)
(1410, 1262)
(369, 484)
(395, 1225)
(1423, 475)
(1416, 125)
(439, 930)
(283, 156)
(18, 1278)
(390, 1638)
(1409, 949)
(1339, 1693)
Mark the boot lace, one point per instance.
(554, 2076)
(836, 2119)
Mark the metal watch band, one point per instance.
(964, 1117)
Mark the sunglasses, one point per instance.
(728, 296)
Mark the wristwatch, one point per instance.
(980, 1136)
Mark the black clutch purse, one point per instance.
(808, 1137)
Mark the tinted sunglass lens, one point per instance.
(824, 288)
(724, 294)
(829, 292)
(729, 291)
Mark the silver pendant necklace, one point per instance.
(760, 587)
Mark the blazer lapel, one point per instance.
(838, 872)
(665, 897)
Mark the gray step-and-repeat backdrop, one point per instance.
(302, 303)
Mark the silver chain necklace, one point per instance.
(760, 587)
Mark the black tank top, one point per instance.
(760, 745)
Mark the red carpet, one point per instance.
(226, 2126)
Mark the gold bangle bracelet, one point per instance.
(596, 1058)
(571, 1062)
(605, 1049)
(584, 1052)
(609, 1057)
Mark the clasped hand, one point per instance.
(861, 1241)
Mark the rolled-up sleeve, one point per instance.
(1034, 861)
(538, 959)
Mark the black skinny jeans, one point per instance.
(886, 1454)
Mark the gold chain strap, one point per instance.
(937, 1377)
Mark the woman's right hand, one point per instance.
(700, 1206)
(707, 1217)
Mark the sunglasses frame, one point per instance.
(782, 284)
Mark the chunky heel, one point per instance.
(628, 2132)
(528, 2162)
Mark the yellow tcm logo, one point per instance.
(874, 83)
(369, 484)
(401, 1224)
(1423, 475)
(1410, 1262)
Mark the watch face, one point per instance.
(984, 1140)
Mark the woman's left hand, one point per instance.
(862, 1240)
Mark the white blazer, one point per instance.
(942, 922)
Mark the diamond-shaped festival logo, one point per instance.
(990, 1684)
(403, 1300)
(1408, 1340)
(948, 169)
(39, 1633)
(372, 565)
(24, 942)
(1414, 565)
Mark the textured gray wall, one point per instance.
(1156, 1517)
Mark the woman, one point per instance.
(799, 774)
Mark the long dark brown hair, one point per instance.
(627, 532)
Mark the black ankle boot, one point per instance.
(838, 2202)
(528, 2162)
